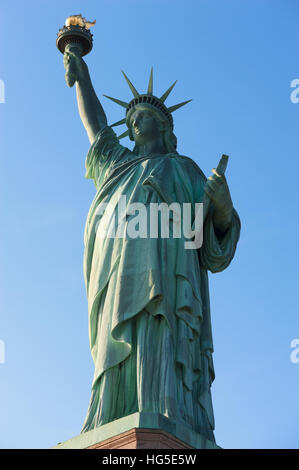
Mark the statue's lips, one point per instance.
(137, 130)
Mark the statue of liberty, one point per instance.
(148, 298)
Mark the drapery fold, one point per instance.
(131, 282)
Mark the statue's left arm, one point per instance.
(218, 192)
(222, 226)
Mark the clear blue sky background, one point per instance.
(236, 59)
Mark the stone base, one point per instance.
(142, 439)
(139, 431)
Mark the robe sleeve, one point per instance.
(217, 252)
(103, 154)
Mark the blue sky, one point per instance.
(236, 60)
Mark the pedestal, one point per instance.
(139, 431)
(142, 439)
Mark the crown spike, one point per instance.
(164, 96)
(121, 103)
(124, 134)
(150, 83)
(177, 106)
(133, 89)
(118, 123)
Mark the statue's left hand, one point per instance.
(218, 191)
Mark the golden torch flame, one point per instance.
(78, 20)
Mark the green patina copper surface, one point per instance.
(148, 298)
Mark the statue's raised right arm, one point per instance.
(90, 109)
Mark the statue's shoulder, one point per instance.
(192, 167)
(106, 141)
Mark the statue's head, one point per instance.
(145, 123)
(148, 118)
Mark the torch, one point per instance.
(75, 37)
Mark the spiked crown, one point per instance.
(147, 99)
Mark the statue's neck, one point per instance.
(148, 148)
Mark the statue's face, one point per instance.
(145, 126)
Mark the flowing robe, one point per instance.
(148, 298)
